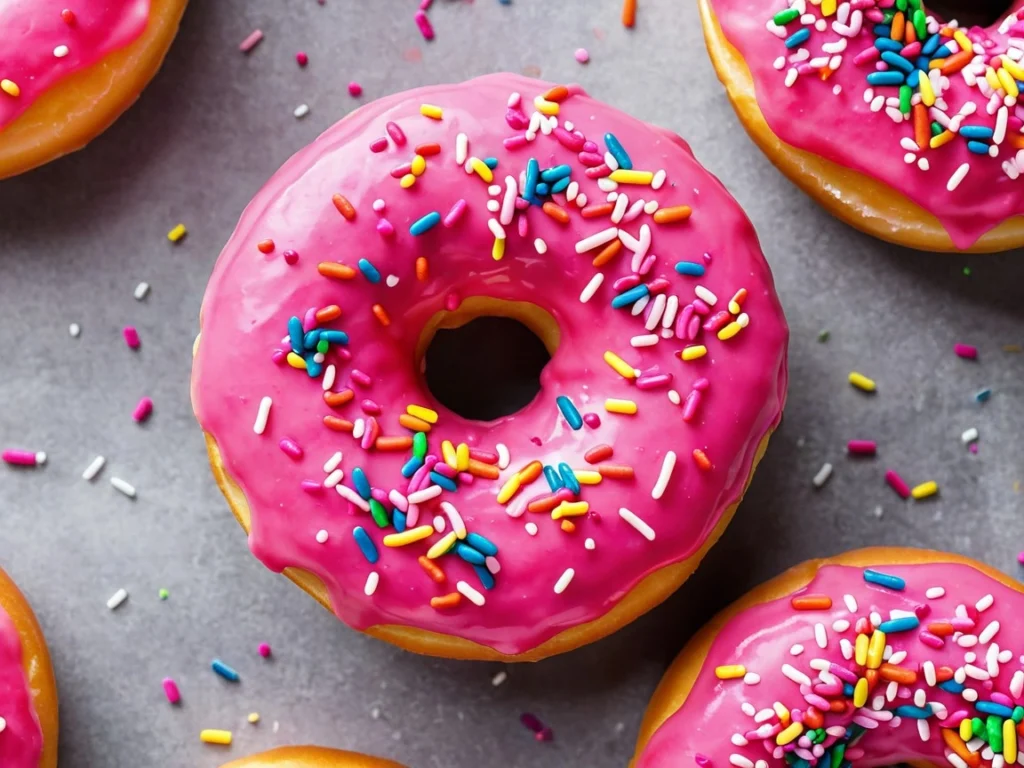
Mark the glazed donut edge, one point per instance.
(310, 757)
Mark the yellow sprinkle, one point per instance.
(10, 88)
(620, 366)
(408, 536)
(546, 107)
(1006, 80)
(927, 93)
(481, 169)
(789, 734)
(781, 711)
(1016, 71)
(509, 489)
(622, 176)
(587, 476)
(570, 509)
(734, 308)
(213, 736)
(422, 412)
(1009, 742)
(295, 361)
(876, 647)
(943, 138)
(963, 40)
(419, 165)
(177, 233)
(407, 181)
(729, 331)
(966, 729)
(924, 490)
(254, 717)
(448, 454)
(730, 671)
(429, 110)
(694, 352)
(462, 457)
(860, 693)
(992, 79)
(828, 7)
(860, 650)
(442, 545)
(860, 381)
(498, 249)
(620, 406)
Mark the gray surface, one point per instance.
(77, 236)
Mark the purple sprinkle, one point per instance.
(546, 734)
(973, 448)
(291, 448)
(290, 256)
(131, 337)
(360, 378)
(309, 321)
(379, 145)
(653, 382)
(395, 133)
(592, 420)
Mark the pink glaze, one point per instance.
(250, 300)
(21, 741)
(100, 27)
(843, 128)
(762, 637)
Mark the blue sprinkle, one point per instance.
(893, 59)
(366, 545)
(619, 152)
(884, 580)
(691, 268)
(914, 78)
(425, 224)
(410, 467)
(505, 2)
(445, 482)
(369, 271)
(980, 132)
(224, 670)
(991, 708)
(885, 44)
(296, 336)
(311, 338)
(952, 686)
(556, 173)
(554, 479)
(569, 477)
(491, 162)
(943, 52)
(479, 543)
(902, 624)
(313, 368)
(469, 554)
(798, 38)
(334, 337)
(486, 579)
(398, 520)
(569, 411)
(530, 183)
(914, 713)
(983, 395)
(886, 78)
(882, 30)
(931, 44)
(847, 689)
(561, 185)
(626, 298)
(923, 63)
(542, 189)
(361, 483)
(977, 147)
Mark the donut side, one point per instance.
(852, 197)
(80, 107)
(310, 757)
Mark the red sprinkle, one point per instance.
(290, 256)
(597, 454)
(68, 16)
(302, 58)
(355, 89)
(265, 246)
(379, 145)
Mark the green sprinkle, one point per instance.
(782, 18)
(967, 271)
(937, 129)
(1018, 715)
(323, 346)
(824, 335)
(906, 94)
(379, 514)
(978, 728)
(994, 725)
(920, 25)
(164, 594)
(419, 445)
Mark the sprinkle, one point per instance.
(251, 42)
(214, 736)
(61, 51)
(322, 536)
(177, 233)
(171, 690)
(569, 411)
(730, 671)
(141, 291)
(425, 224)
(23, 458)
(124, 487)
(429, 110)
(597, 239)
(897, 483)
(75, 330)
(591, 287)
(142, 410)
(823, 475)
(613, 405)
(672, 215)
(224, 670)
(355, 89)
(969, 435)
(582, 55)
(131, 337)
(924, 490)
(117, 599)
(693, 352)
(862, 382)
(300, 111)
(631, 518)
(424, 25)
(966, 351)
(884, 579)
(811, 603)
(471, 594)
(862, 447)
(701, 460)
(372, 580)
(629, 13)
(264, 650)
(94, 468)
(253, 717)
(409, 536)
(563, 580)
(958, 176)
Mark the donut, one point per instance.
(542, 530)
(310, 757)
(874, 657)
(28, 692)
(72, 68)
(833, 93)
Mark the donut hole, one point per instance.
(970, 13)
(488, 365)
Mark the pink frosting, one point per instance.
(252, 295)
(763, 639)
(21, 740)
(34, 30)
(842, 127)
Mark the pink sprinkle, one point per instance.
(290, 256)
(701, 308)
(302, 58)
(395, 133)
(360, 378)
(413, 515)
(647, 264)
(862, 447)
(591, 159)
(516, 120)
(515, 142)
(702, 761)
(131, 337)
(311, 486)
(701, 384)
(451, 301)
(690, 406)
(717, 322)
(279, 356)
(582, 55)
(379, 205)
(370, 435)
(291, 448)
(658, 285)
(379, 145)
(251, 41)
(369, 407)
(309, 321)
(654, 381)
(398, 501)
(465, 479)
(897, 483)
(973, 448)
(523, 225)
(625, 283)
(424, 24)
(1020, 558)
(264, 650)
(693, 329)
(455, 213)
(444, 469)
(143, 410)
(378, 494)
(425, 5)
(385, 228)
(355, 89)
(966, 351)
(401, 170)
(590, 146)
(171, 691)
(928, 638)
(21, 458)
(683, 320)
(592, 420)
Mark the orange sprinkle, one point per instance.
(480, 469)
(265, 246)
(427, 150)
(394, 443)
(556, 212)
(672, 215)
(414, 423)
(702, 460)
(629, 13)
(557, 94)
(593, 211)
(421, 269)
(813, 718)
(608, 253)
(871, 675)
(448, 601)
(811, 603)
(382, 315)
(335, 270)
(344, 206)
(338, 399)
(597, 454)
(956, 62)
(922, 129)
(898, 24)
(837, 706)
(544, 504)
(900, 675)
(615, 471)
(433, 570)
(944, 674)
(1015, 140)
(909, 34)
(328, 314)
(941, 628)
(568, 526)
(956, 745)
(739, 297)
(338, 424)
(530, 472)
(825, 73)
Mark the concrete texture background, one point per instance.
(78, 235)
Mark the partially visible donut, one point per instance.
(70, 67)
(310, 757)
(28, 692)
(372, 238)
(871, 658)
(832, 92)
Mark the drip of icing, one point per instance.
(251, 297)
(21, 740)
(49, 48)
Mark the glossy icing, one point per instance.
(252, 295)
(763, 638)
(844, 119)
(98, 27)
(21, 738)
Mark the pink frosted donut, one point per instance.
(543, 530)
(904, 125)
(872, 658)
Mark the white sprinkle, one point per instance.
(503, 456)
(985, 603)
(639, 305)
(823, 475)
(499, 678)
(470, 594)
(598, 238)
(496, 229)
(439, 523)
(819, 635)
(648, 340)
(531, 528)
(330, 373)
(705, 295)
(334, 478)
(74, 329)
(126, 488)
(630, 517)
(659, 179)
(1017, 684)
(332, 463)
(795, 675)
(352, 497)
(391, 281)
(301, 111)
(425, 494)
(591, 288)
(958, 175)
(621, 203)
(669, 318)
(321, 536)
(751, 678)
(563, 580)
(461, 148)
(590, 545)
(651, 207)
(840, 625)
(740, 761)
(969, 436)
(358, 429)
(141, 290)
(989, 632)
(851, 603)
(262, 415)
(657, 310)
(796, 650)
(667, 465)
(454, 518)
(611, 162)
(319, 357)
(94, 468)
(371, 583)
(61, 51)
(674, 398)
(929, 673)
(379, 205)
(495, 189)
(540, 246)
